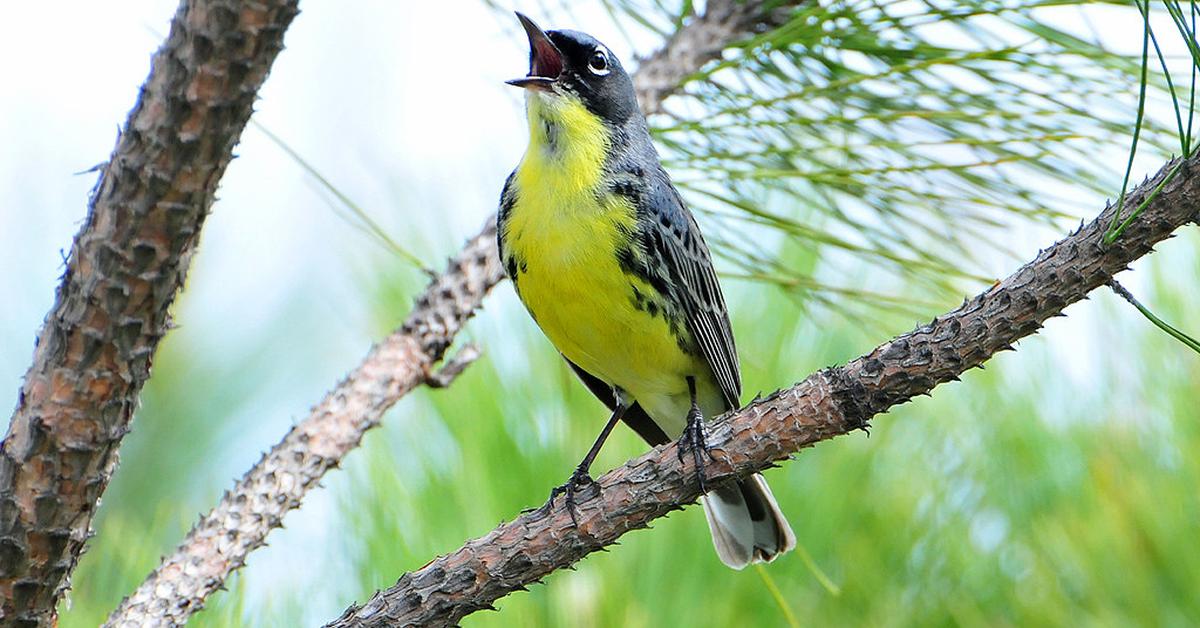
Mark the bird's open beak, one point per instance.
(545, 60)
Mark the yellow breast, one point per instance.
(563, 234)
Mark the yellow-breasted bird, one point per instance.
(612, 267)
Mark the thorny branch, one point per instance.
(221, 541)
(829, 403)
(126, 265)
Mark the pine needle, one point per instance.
(366, 223)
(777, 595)
(1187, 340)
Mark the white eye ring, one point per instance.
(598, 62)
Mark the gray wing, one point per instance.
(673, 242)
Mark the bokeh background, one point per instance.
(1057, 486)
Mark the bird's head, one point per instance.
(573, 65)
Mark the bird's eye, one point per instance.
(598, 63)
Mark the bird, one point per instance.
(611, 265)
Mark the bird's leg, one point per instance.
(580, 477)
(693, 436)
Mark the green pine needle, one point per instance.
(1187, 340)
(777, 595)
(356, 212)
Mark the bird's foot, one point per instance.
(694, 439)
(579, 479)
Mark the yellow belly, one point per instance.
(585, 303)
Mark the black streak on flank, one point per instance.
(626, 189)
(644, 303)
(512, 265)
(628, 261)
(638, 300)
(651, 240)
(685, 343)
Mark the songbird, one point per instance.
(611, 265)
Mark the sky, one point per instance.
(401, 104)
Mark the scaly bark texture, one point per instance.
(127, 264)
(220, 542)
(829, 403)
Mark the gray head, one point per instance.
(574, 63)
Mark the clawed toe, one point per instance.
(578, 480)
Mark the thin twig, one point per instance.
(453, 367)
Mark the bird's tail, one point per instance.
(746, 524)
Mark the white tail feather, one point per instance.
(746, 523)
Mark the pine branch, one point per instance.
(829, 403)
(126, 265)
(221, 541)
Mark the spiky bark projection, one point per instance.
(220, 542)
(829, 403)
(126, 266)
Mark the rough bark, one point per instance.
(126, 265)
(221, 541)
(829, 403)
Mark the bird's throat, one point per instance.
(568, 145)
